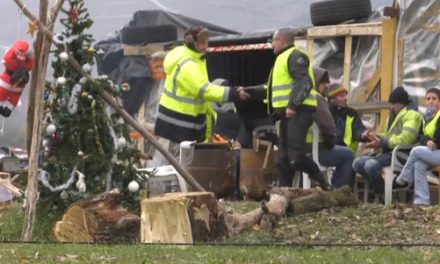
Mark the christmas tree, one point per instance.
(86, 148)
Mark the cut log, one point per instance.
(283, 200)
(322, 200)
(100, 219)
(181, 218)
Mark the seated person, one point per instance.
(425, 156)
(402, 128)
(330, 155)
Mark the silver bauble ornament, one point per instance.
(61, 80)
(122, 142)
(64, 195)
(133, 186)
(87, 68)
(64, 56)
(50, 129)
(80, 153)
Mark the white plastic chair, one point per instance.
(388, 173)
(315, 156)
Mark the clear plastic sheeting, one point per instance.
(329, 54)
(419, 35)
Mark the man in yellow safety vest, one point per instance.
(291, 97)
(185, 109)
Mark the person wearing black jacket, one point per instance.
(292, 98)
(349, 127)
(421, 158)
(331, 154)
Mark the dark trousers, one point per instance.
(292, 148)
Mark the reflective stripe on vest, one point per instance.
(183, 99)
(180, 123)
(348, 134)
(282, 82)
(431, 127)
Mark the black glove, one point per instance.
(6, 112)
(20, 77)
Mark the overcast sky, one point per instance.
(110, 15)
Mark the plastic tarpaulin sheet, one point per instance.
(419, 33)
(134, 69)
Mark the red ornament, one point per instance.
(74, 14)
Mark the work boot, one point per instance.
(309, 166)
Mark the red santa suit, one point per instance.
(18, 57)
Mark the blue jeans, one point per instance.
(370, 167)
(342, 159)
(415, 169)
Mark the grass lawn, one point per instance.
(80, 253)
(366, 224)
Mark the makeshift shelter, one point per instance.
(146, 27)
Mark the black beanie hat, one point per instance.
(399, 95)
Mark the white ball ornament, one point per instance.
(64, 56)
(61, 80)
(133, 186)
(45, 143)
(64, 195)
(50, 129)
(87, 68)
(80, 153)
(122, 142)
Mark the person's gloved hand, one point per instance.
(20, 76)
(6, 112)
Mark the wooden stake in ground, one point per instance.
(41, 48)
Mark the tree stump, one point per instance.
(181, 218)
(100, 219)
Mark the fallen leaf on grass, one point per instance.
(68, 257)
(354, 237)
(315, 236)
(256, 227)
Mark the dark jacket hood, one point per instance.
(321, 75)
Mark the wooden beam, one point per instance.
(386, 62)
(310, 48)
(361, 29)
(347, 61)
(147, 50)
(371, 107)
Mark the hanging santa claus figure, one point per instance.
(18, 62)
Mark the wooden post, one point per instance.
(42, 47)
(347, 61)
(400, 60)
(386, 62)
(310, 47)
